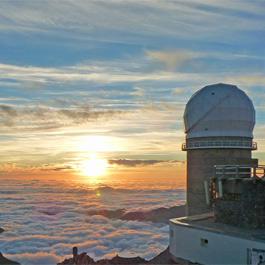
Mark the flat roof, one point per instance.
(206, 222)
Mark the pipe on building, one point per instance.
(220, 188)
(207, 194)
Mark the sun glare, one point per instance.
(94, 167)
(95, 144)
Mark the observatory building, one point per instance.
(219, 121)
(225, 222)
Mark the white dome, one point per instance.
(219, 110)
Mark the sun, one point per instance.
(94, 167)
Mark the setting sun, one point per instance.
(124, 124)
(94, 167)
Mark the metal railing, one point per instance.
(238, 171)
(214, 187)
(220, 144)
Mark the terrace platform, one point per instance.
(200, 239)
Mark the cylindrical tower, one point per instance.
(219, 121)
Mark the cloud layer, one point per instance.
(43, 220)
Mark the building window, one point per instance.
(204, 242)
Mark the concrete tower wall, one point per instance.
(200, 167)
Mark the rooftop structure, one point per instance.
(219, 121)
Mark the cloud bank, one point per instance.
(43, 220)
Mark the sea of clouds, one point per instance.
(43, 220)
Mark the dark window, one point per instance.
(204, 242)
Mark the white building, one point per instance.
(199, 239)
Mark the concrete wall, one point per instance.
(247, 208)
(190, 244)
(200, 167)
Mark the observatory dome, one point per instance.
(219, 110)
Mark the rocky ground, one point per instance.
(5, 261)
(83, 259)
(163, 259)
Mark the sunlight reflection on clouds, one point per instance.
(45, 219)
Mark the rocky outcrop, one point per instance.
(121, 260)
(5, 261)
(81, 259)
(1, 230)
(84, 259)
(159, 215)
(163, 258)
(113, 214)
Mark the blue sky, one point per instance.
(120, 70)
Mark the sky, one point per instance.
(110, 79)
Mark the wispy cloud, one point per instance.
(145, 18)
(41, 117)
(138, 162)
(28, 77)
(81, 73)
(133, 163)
(173, 59)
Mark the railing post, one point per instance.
(255, 172)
